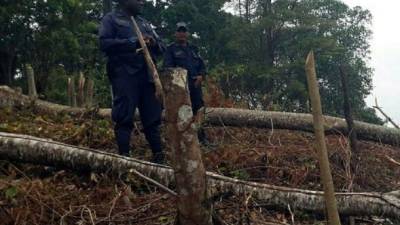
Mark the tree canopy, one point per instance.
(255, 49)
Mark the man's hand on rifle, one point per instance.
(150, 41)
(199, 80)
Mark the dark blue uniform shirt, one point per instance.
(119, 42)
(129, 78)
(186, 57)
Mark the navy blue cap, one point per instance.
(181, 26)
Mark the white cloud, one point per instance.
(385, 57)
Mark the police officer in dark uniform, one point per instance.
(186, 55)
(132, 85)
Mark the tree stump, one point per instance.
(71, 92)
(31, 81)
(89, 93)
(81, 90)
(190, 174)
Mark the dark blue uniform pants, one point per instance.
(196, 97)
(131, 91)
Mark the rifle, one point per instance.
(149, 61)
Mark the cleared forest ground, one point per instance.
(39, 195)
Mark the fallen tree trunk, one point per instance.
(10, 97)
(236, 118)
(22, 148)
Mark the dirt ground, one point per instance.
(32, 194)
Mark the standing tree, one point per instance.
(263, 62)
(107, 6)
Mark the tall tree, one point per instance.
(265, 68)
(107, 6)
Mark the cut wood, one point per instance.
(81, 90)
(326, 174)
(89, 93)
(31, 81)
(236, 118)
(190, 174)
(27, 149)
(10, 97)
(71, 92)
(347, 110)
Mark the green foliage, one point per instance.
(271, 46)
(11, 192)
(57, 37)
(256, 52)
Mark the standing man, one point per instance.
(132, 85)
(185, 55)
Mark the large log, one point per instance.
(236, 118)
(10, 98)
(29, 149)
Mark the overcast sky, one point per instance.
(385, 58)
(385, 54)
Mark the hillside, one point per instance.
(37, 195)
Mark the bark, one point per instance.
(71, 93)
(326, 175)
(300, 122)
(31, 81)
(107, 6)
(81, 90)
(236, 118)
(27, 149)
(89, 93)
(7, 66)
(10, 97)
(190, 174)
(347, 110)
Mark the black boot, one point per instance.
(201, 134)
(123, 141)
(158, 158)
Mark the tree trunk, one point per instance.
(107, 6)
(240, 9)
(190, 174)
(7, 65)
(72, 92)
(269, 33)
(81, 90)
(347, 110)
(31, 81)
(236, 118)
(299, 121)
(27, 149)
(69, 91)
(10, 72)
(89, 93)
(326, 174)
